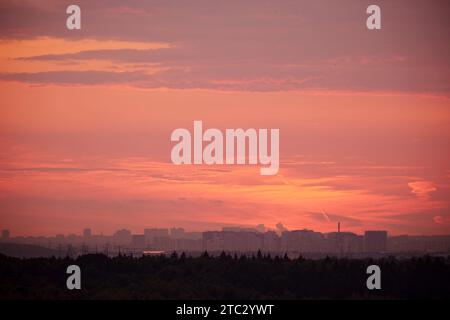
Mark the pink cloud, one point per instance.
(248, 46)
(441, 220)
(422, 189)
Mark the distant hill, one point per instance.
(26, 250)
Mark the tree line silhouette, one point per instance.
(223, 277)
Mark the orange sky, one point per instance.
(85, 122)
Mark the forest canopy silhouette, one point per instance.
(223, 277)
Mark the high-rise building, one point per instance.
(271, 242)
(344, 242)
(302, 241)
(375, 241)
(87, 233)
(5, 234)
(212, 241)
(122, 237)
(138, 241)
(153, 233)
(177, 233)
